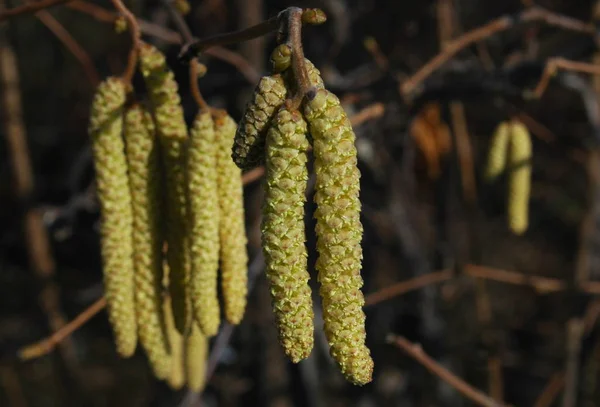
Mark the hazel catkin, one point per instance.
(232, 229)
(144, 179)
(519, 178)
(172, 133)
(176, 377)
(497, 154)
(105, 130)
(249, 141)
(283, 233)
(196, 352)
(204, 215)
(339, 234)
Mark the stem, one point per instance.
(136, 34)
(195, 89)
(30, 8)
(294, 28)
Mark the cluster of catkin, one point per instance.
(162, 190)
(275, 134)
(510, 150)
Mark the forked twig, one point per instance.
(554, 64)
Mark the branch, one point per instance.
(416, 352)
(294, 32)
(552, 67)
(30, 8)
(136, 35)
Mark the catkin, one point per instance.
(498, 151)
(519, 180)
(196, 351)
(339, 234)
(281, 58)
(172, 132)
(204, 211)
(283, 234)
(105, 129)
(248, 145)
(145, 183)
(232, 229)
(176, 377)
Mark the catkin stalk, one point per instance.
(283, 234)
(172, 133)
(105, 129)
(519, 180)
(497, 155)
(339, 234)
(232, 229)
(196, 352)
(145, 182)
(204, 211)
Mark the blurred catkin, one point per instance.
(176, 377)
(283, 234)
(172, 133)
(498, 151)
(204, 216)
(249, 141)
(339, 234)
(519, 179)
(105, 130)
(196, 352)
(145, 183)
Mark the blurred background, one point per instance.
(513, 316)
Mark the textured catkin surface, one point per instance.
(498, 151)
(172, 134)
(283, 234)
(339, 234)
(176, 377)
(196, 352)
(105, 129)
(232, 229)
(143, 159)
(314, 75)
(204, 211)
(519, 179)
(249, 141)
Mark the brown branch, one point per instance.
(551, 391)
(554, 64)
(407, 286)
(136, 36)
(194, 87)
(464, 151)
(487, 30)
(30, 8)
(294, 32)
(575, 330)
(253, 175)
(47, 345)
(371, 112)
(71, 44)
(416, 352)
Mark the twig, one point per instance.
(500, 24)
(47, 345)
(554, 64)
(407, 286)
(253, 175)
(294, 28)
(373, 111)
(30, 8)
(416, 352)
(136, 35)
(12, 387)
(194, 88)
(71, 44)
(574, 334)
(464, 151)
(551, 391)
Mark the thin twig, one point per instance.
(574, 334)
(371, 112)
(416, 352)
(464, 151)
(194, 87)
(551, 391)
(294, 32)
(136, 36)
(500, 24)
(554, 64)
(30, 8)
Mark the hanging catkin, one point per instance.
(283, 232)
(176, 377)
(105, 129)
(339, 234)
(172, 132)
(249, 141)
(232, 229)
(196, 351)
(204, 211)
(498, 151)
(145, 183)
(519, 178)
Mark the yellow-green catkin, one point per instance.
(281, 58)
(497, 154)
(176, 376)
(105, 129)
(204, 216)
(519, 179)
(172, 133)
(283, 234)
(339, 234)
(248, 146)
(232, 229)
(196, 352)
(145, 182)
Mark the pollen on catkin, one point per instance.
(339, 234)
(105, 130)
(498, 151)
(176, 377)
(196, 352)
(232, 229)
(172, 133)
(249, 141)
(283, 233)
(519, 178)
(204, 217)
